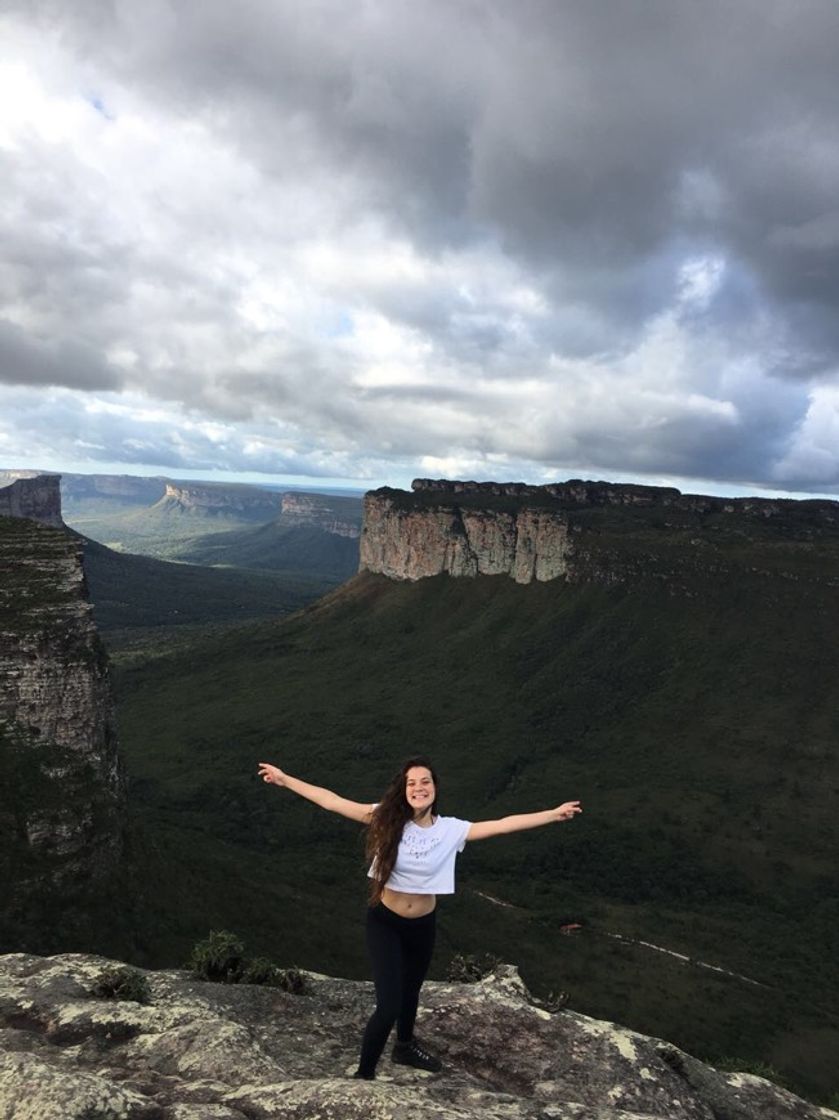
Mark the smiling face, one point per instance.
(419, 790)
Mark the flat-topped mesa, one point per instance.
(247, 501)
(130, 489)
(577, 492)
(405, 538)
(37, 498)
(340, 516)
(601, 532)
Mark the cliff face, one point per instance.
(37, 497)
(202, 1051)
(336, 515)
(244, 501)
(405, 543)
(127, 489)
(597, 531)
(60, 788)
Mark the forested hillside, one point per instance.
(697, 726)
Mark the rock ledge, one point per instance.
(204, 1051)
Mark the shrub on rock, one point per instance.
(469, 968)
(122, 982)
(219, 957)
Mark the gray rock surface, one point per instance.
(60, 810)
(413, 544)
(37, 497)
(203, 1051)
(593, 532)
(247, 502)
(339, 516)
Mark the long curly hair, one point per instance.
(389, 819)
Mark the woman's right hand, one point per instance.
(271, 774)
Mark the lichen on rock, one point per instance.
(204, 1051)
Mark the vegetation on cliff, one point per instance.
(60, 791)
(682, 684)
(695, 720)
(291, 549)
(139, 595)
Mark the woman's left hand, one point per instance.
(567, 810)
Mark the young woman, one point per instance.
(412, 851)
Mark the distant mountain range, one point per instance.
(312, 532)
(312, 537)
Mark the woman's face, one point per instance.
(419, 789)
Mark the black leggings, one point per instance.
(400, 951)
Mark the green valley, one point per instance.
(697, 723)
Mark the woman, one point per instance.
(412, 851)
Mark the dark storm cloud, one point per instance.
(586, 138)
(28, 361)
(616, 225)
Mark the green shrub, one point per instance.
(259, 970)
(552, 1002)
(468, 968)
(753, 1066)
(121, 982)
(220, 957)
(292, 980)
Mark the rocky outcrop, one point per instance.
(246, 502)
(340, 516)
(60, 788)
(130, 490)
(577, 493)
(201, 1051)
(573, 492)
(37, 497)
(9, 476)
(591, 532)
(405, 543)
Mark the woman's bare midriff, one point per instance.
(408, 905)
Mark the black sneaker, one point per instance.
(412, 1054)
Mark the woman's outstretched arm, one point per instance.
(482, 830)
(355, 810)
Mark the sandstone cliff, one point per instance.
(340, 516)
(60, 788)
(37, 497)
(122, 488)
(590, 531)
(201, 1051)
(246, 502)
(411, 543)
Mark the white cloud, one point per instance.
(813, 453)
(335, 242)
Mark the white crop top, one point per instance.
(426, 856)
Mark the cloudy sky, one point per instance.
(364, 240)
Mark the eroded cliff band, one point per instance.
(573, 530)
